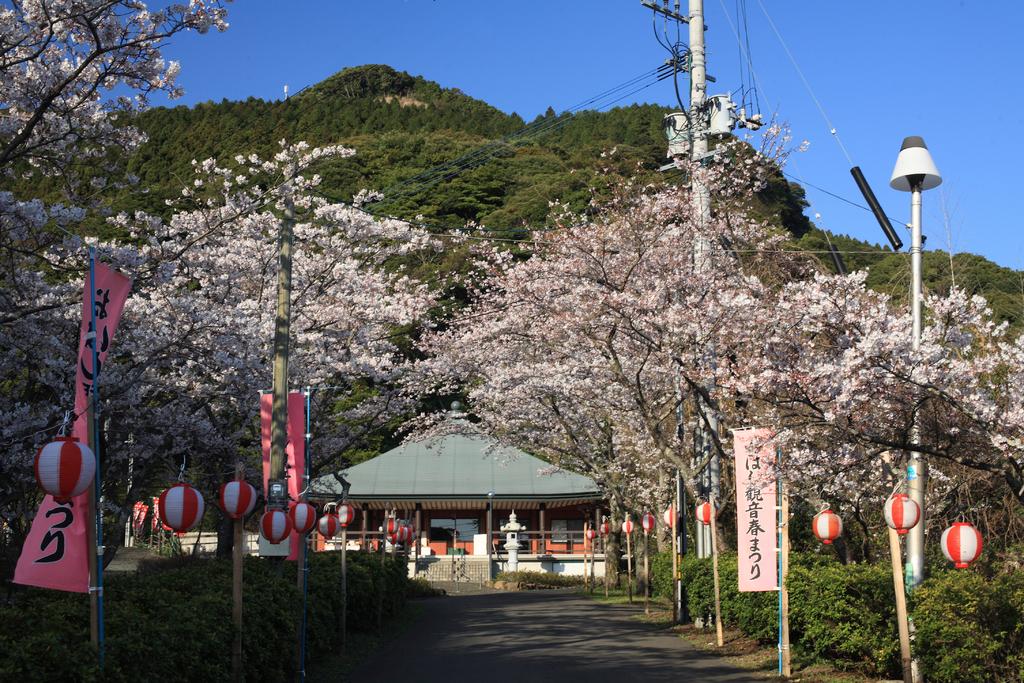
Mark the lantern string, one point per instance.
(65, 422)
(181, 470)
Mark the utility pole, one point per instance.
(707, 420)
(277, 495)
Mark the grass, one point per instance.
(360, 647)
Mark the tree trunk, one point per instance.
(612, 559)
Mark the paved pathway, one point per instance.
(537, 637)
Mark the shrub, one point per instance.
(972, 626)
(174, 621)
(529, 580)
(421, 588)
(661, 574)
(843, 614)
(756, 614)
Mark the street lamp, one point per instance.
(915, 172)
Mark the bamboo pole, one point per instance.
(90, 543)
(714, 564)
(237, 672)
(344, 585)
(647, 574)
(901, 604)
(586, 566)
(629, 566)
(674, 509)
(784, 654)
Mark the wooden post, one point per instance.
(586, 566)
(714, 564)
(543, 519)
(344, 584)
(383, 551)
(675, 561)
(629, 565)
(604, 547)
(417, 541)
(784, 655)
(237, 550)
(901, 604)
(647, 574)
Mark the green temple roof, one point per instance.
(460, 466)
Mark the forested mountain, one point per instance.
(505, 172)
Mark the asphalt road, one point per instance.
(536, 637)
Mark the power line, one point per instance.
(810, 90)
(836, 196)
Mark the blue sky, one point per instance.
(942, 69)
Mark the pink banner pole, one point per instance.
(96, 590)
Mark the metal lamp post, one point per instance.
(915, 172)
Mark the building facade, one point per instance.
(456, 492)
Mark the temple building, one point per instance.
(456, 492)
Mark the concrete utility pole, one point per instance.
(277, 495)
(711, 477)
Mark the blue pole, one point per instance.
(96, 449)
(778, 546)
(305, 558)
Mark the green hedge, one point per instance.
(844, 614)
(974, 626)
(528, 579)
(971, 627)
(175, 622)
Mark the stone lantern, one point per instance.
(512, 544)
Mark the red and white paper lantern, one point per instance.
(275, 525)
(302, 515)
(647, 522)
(237, 498)
(346, 514)
(328, 525)
(827, 526)
(627, 526)
(961, 544)
(64, 468)
(605, 528)
(181, 507)
(391, 526)
(901, 513)
(704, 513)
(669, 516)
(402, 534)
(591, 533)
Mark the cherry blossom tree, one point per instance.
(61, 62)
(835, 370)
(585, 352)
(193, 348)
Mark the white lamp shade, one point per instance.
(914, 160)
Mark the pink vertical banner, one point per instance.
(54, 555)
(295, 450)
(756, 516)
